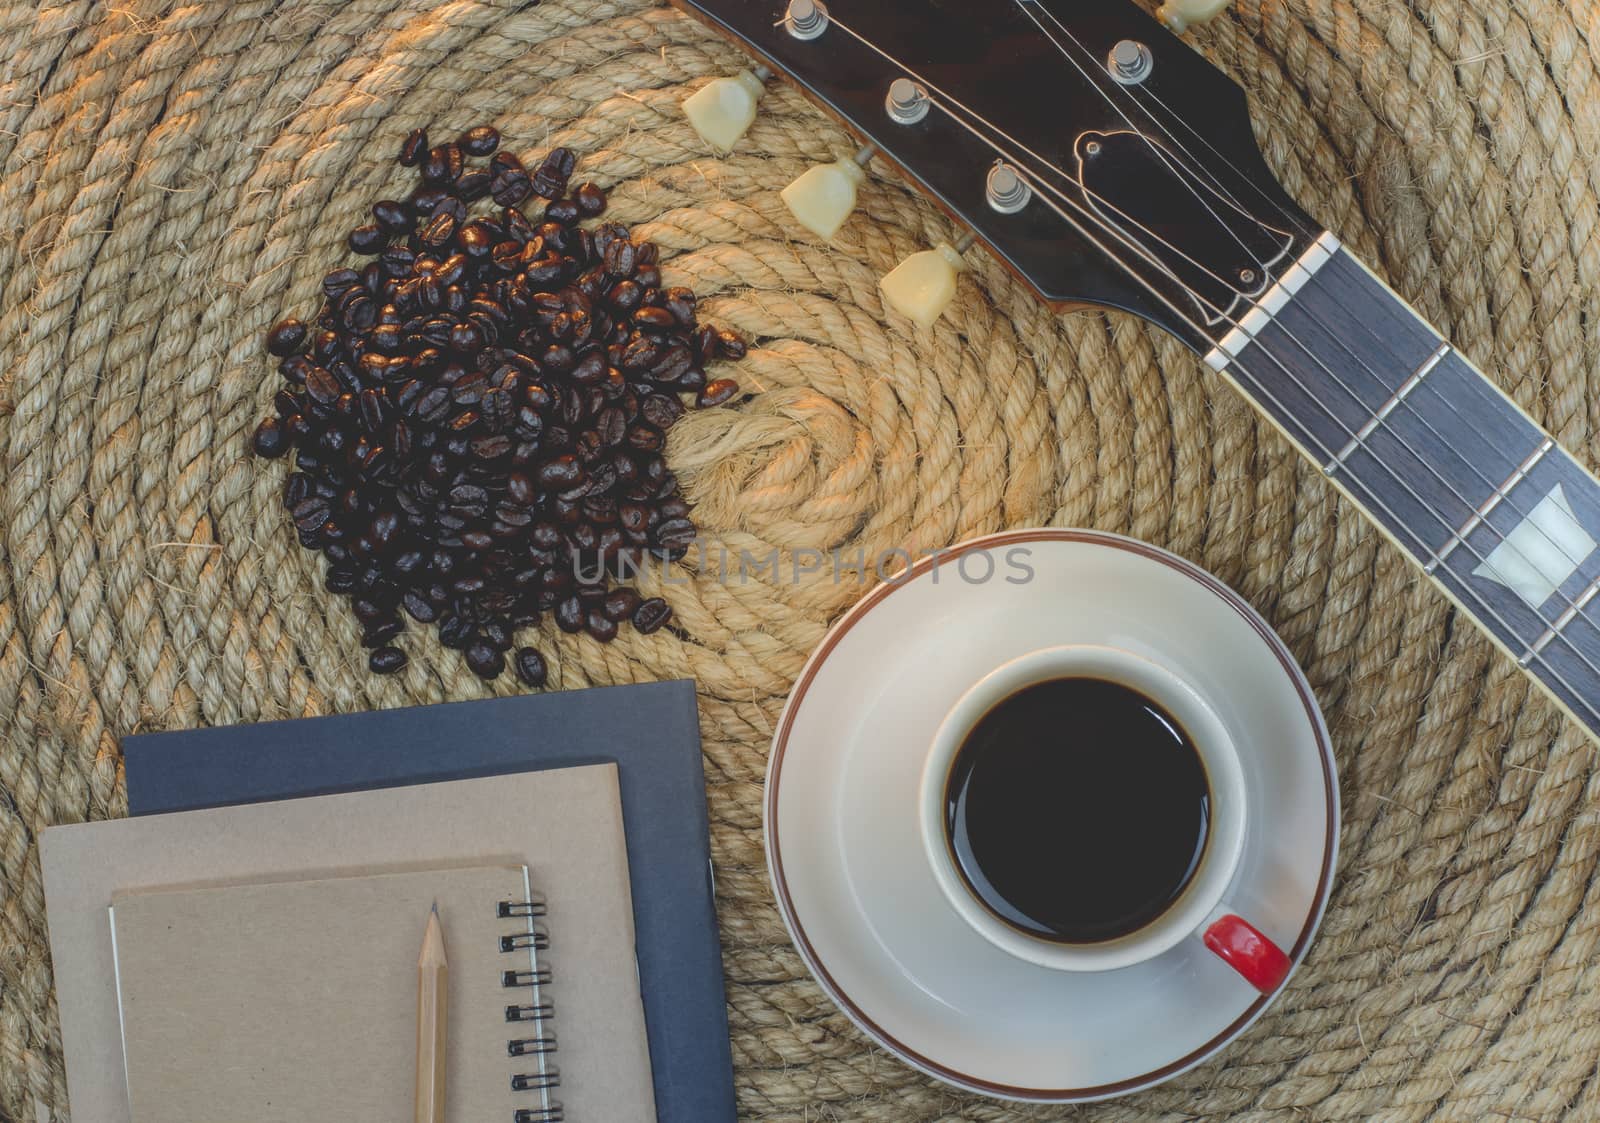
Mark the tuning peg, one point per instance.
(723, 108)
(1180, 15)
(922, 286)
(822, 198)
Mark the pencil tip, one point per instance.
(436, 908)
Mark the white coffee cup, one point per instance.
(1200, 909)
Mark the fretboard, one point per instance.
(1498, 514)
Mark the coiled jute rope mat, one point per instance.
(174, 179)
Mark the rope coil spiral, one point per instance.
(174, 177)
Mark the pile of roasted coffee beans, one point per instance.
(478, 415)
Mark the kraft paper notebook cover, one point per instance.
(287, 1001)
(650, 729)
(564, 825)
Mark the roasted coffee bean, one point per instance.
(484, 661)
(621, 603)
(731, 345)
(590, 198)
(680, 303)
(562, 210)
(620, 259)
(550, 181)
(478, 420)
(645, 438)
(510, 187)
(437, 232)
(675, 534)
(530, 667)
(394, 217)
(651, 615)
(382, 632)
(476, 239)
(374, 410)
(716, 393)
(286, 337)
(271, 439)
(387, 661)
(414, 148)
(624, 296)
(368, 239)
(455, 632)
(339, 580)
(474, 185)
(569, 615)
(496, 635)
(419, 607)
(657, 319)
(481, 140)
(560, 473)
(322, 386)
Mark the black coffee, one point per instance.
(1077, 810)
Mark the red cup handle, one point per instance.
(1242, 947)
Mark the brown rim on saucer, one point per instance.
(780, 886)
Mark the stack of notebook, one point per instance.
(250, 936)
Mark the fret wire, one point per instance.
(1249, 329)
(1484, 605)
(1387, 408)
(1567, 617)
(1488, 506)
(1253, 320)
(1503, 491)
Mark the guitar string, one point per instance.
(1472, 551)
(1468, 593)
(1220, 314)
(1024, 5)
(1142, 88)
(1040, 185)
(1106, 93)
(931, 86)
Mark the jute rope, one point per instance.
(174, 178)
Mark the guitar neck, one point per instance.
(1492, 509)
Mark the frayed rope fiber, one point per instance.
(174, 177)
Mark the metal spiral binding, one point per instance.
(539, 978)
(521, 908)
(533, 1012)
(537, 940)
(536, 1009)
(539, 1046)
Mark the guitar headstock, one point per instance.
(1098, 155)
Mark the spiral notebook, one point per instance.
(564, 825)
(296, 1000)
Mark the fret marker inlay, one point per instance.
(1489, 505)
(1387, 408)
(1543, 551)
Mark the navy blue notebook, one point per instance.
(652, 732)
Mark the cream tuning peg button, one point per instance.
(822, 198)
(922, 286)
(1180, 15)
(723, 109)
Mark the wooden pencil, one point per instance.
(433, 977)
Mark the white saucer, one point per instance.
(853, 883)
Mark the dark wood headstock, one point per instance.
(1150, 198)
